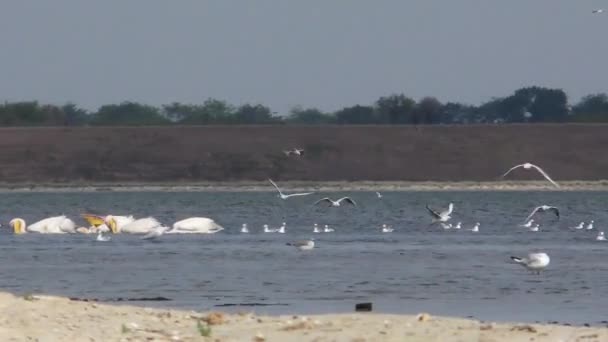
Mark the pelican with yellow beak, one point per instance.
(52, 225)
(122, 224)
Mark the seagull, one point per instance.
(443, 216)
(600, 236)
(327, 229)
(303, 245)
(337, 203)
(458, 225)
(534, 262)
(295, 151)
(599, 10)
(281, 195)
(387, 229)
(475, 229)
(379, 195)
(244, 229)
(155, 233)
(316, 228)
(527, 224)
(535, 228)
(446, 226)
(590, 225)
(281, 229)
(541, 209)
(580, 226)
(528, 166)
(267, 229)
(102, 238)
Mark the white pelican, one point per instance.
(281, 195)
(202, 225)
(590, 225)
(52, 225)
(528, 166)
(337, 203)
(102, 238)
(475, 229)
(244, 228)
(327, 229)
(139, 226)
(534, 262)
(315, 228)
(115, 223)
(303, 245)
(600, 236)
(295, 151)
(580, 226)
(527, 224)
(281, 229)
(542, 209)
(387, 229)
(535, 228)
(443, 216)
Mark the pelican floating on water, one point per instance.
(52, 225)
(200, 225)
(124, 224)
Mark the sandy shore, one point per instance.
(47, 318)
(600, 185)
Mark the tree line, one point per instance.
(530, 104)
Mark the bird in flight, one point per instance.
(296, 152)
(379, 195)
(596, 11)
(281, 195)
(542, 209)
(443, 216)
(528, 166)
(337, 203)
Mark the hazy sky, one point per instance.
(281, 53)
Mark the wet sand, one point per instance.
(600, 185)
(48, 318)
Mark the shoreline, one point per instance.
(31, 317)
(322, 186)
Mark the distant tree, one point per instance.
(212, 111)
(394, 109)
(254, 114)
(356, 115)
(457, 113)
(544, 104)
(128, 114)
(74, 116)
(308, 116)
(427, 111)
(591, 108)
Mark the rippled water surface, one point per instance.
(416, 268)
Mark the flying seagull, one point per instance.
(599, 10)
(303, 245)
(443, 216)
(281, 195)
(379, 195)
(528, 166)
(295, 151)
(337, 203)
(534, 262)
(542, 209)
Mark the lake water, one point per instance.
(416, 268)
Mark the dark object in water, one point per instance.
(250, 304)
(120, 299)
(363, 307)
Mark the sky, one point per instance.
(313, 53)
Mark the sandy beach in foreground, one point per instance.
(49, 318)
(600, 185)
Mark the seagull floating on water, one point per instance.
(102, 238)
(281, 195)
(590, 225)
(327, 229)
(527, 224)
(443, 216)
(528, 166)
(295, 152)
(281, 228)
(475, 229)
(534, 262)
(535, 228)
(379, 195)
(303, 245)
(155, 233)
(315, 228)
(600, 236)
(387, 229)
(267, 229)
(458, 225)
(446, 226)
(580, 226)
(542, 209)
(337, 203)
(244, 228)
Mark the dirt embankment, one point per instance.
(228, 153)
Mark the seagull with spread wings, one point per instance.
(542, 209)
(281, 195)
(528, 166)
(443, 216)
(337, 203)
